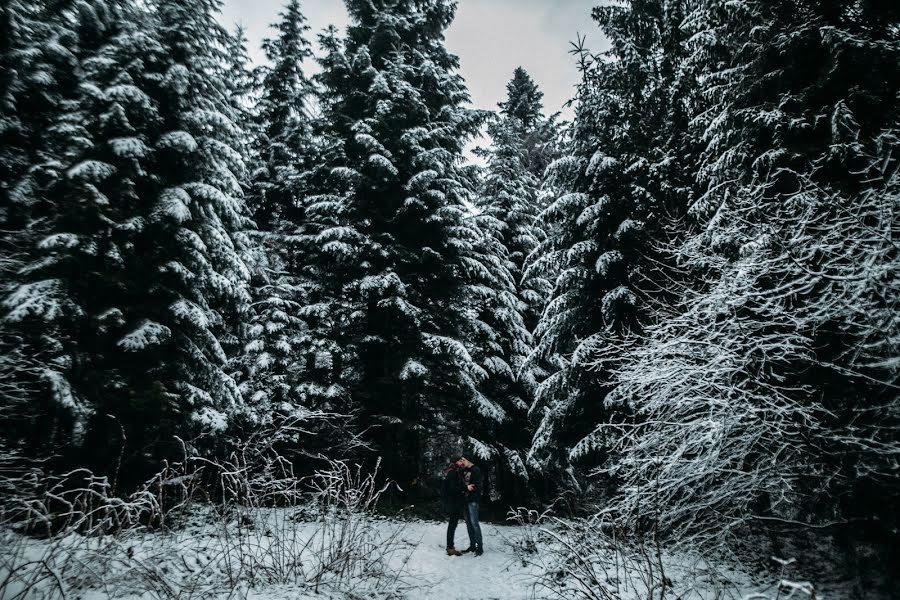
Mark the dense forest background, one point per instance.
(683, 304)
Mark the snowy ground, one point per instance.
(273, 557)
(277, 556)
(498, 574)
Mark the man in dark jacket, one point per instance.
(453, 493)
(474, 482)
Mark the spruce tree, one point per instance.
(293, 361)
(524, 142)
(524, 101)
(284, 141)
(395, 233)
(13, 71)
(509, 202)
(759, 392)
(617, 193)
(797, 162)
(141, 268)
(28, 98)
(48, 50)
(798, 135)
(242, 83)
(499, 342)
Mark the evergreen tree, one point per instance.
(284, 143)
(13, 68)
(292, 360)
(522, 111)
(24, 108)
(798, 161)
(394, 230)
(523, 145)
(619, 189)
(48, 47)
(523, 100)
(242, 84)
(509, 203)
(798, 134)
(140, 270)
(275, 362)
(764, 376)
(499, 342)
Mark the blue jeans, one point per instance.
(474, 528)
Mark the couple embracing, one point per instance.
(463, 482)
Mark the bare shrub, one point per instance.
(594, 559)
(71, 531)
(201, 528)
(348, 544)
(590, 558)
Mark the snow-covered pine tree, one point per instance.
(27, 99)
(284, 122)
(242, 81)
(197, 226)
(47, 48)
(140, 266)
(395, 235)
(509, 201)
(524, 100)
(768, 394)
(540, 134)
(499, 341)
(524, 143)
(292, 363)
(13, 77)
(619, 191)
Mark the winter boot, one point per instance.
(479, 551)
(453, 552)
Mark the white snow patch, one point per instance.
(148, 333)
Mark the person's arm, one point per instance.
(477, 481)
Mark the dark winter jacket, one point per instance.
(453, 490)
(473, 476)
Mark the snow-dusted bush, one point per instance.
(594, 559)
(349, 547)
(59, 534)
(258, 525)
(769, 392)
(590, 559)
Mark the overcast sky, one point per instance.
(491, 38)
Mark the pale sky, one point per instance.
(491, 38)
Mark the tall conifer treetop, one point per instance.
(509, 201)
(285, 84)
(284, 141)
(524, 100)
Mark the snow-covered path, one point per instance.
(276, 558)
(498, 574)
